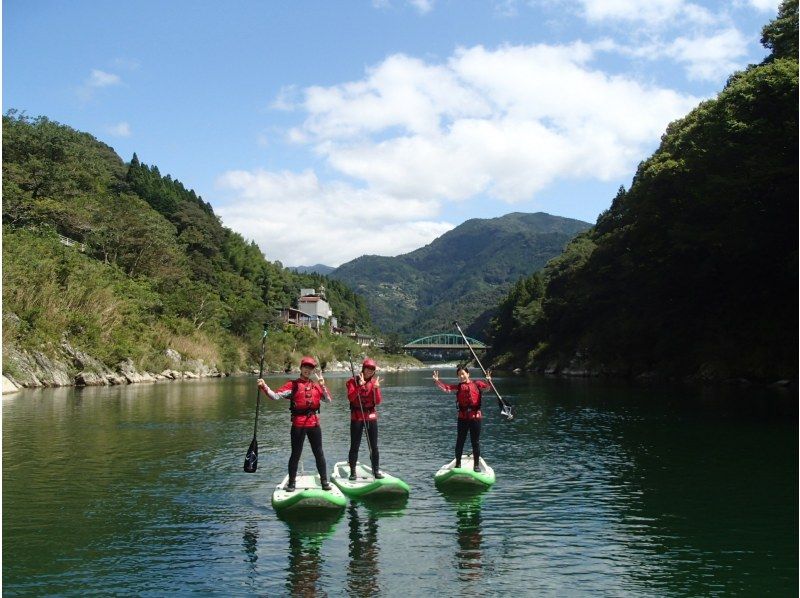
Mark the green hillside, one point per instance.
(460, 275)
(693, 270)
(118, 262)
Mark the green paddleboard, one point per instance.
(464, 477)
(366, 485)
(308, 496)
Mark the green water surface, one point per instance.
(602, 489)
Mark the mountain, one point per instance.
(460, 275)
(692, 272)
(315, 269)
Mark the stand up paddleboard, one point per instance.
(365, 485)
(464, 477)
(307, 497)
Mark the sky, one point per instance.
(328, 130)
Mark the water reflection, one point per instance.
(362, 570)
(304, 570)
(601, 491)
(364, 546)
(394, 506)
(469, 533)
(250, 544)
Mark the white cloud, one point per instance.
(97, 80)
(765, 5)
(505, 122)
(286, 99)
(710, 57)
(401, 92)
(423, 6)
(100, 78)
(413, 136)
(650, 13)
(299, 220)
(121, 129)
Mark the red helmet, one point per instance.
(308, 361)
(369, 363)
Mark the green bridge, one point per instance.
(445, 342)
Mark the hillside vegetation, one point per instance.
(460, 275)
(117, 262)
(693, 270)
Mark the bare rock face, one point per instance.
(9, 386)
(68, 366)
(89, 379)
(132, 376)
(37, 369)
(84, 362)
(116, 379)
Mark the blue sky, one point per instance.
(329, 130)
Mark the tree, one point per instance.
(780, 35)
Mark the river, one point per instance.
(602, 489)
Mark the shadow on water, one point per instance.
(363, 549)
(468, 504)
(385, 507)
(250, 544)
(364, 515)
(306, 536)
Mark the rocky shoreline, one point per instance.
(34, 369)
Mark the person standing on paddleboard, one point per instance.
(305, 396)
(364, 394)
(468, 401)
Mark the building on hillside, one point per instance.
(313, 311)
(290, 315)
(366, 340)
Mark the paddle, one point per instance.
(505, 408)
(360, 404)
(251, 459)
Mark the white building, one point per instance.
(315, 305)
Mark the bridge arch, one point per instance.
(445, 341)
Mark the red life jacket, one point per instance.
(469, 396)
(305, 398)
(367, 400)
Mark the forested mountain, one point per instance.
(315, 269)
(693, 271)
(460, 275)
(120, 262)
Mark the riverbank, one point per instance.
(71, 367)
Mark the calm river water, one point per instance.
(602, 489)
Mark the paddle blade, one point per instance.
(251, 459)
(505, 410)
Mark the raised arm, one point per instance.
(326, 394)
(284, 392)
(442, 385)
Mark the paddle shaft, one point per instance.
(251, 458)
(260, 375)
(480, 365)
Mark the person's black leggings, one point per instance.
(356, 431)
(474, 428)
(314, 434)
